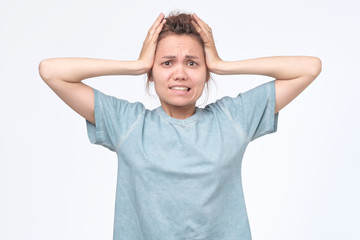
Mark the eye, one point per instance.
(192, 63)
(167, 63)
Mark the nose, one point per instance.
(180, 73)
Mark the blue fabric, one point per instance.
(181, 179)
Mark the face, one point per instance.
(179, 72)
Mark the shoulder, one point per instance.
(225, 108)
(244, 101)
(109, 100)
(111, 107)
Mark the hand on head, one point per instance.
(148, 50)
(147, 54)
(211, 55)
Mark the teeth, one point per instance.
(180, 88)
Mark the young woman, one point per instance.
(179, 166)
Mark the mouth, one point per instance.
(178, 88)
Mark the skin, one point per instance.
(179, 62)
(65, 75)
(292, 74)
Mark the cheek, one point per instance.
(155, 74)
(159, 79)
(200, 77)
(161, 75)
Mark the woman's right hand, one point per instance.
(64, 75)
(147, 54)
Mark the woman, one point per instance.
(179, 166)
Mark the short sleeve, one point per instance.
(259, 110)
(114, 119)
(251, 112)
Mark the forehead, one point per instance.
(179, 44)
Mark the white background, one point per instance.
(300, 183)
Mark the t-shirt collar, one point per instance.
(183, 122)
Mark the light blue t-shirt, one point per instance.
(181, 179)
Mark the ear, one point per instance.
(208, 76)
(149, 76)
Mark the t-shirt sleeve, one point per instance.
(253, 111)
(259, 110)
(114, 119)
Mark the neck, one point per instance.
(179, 112)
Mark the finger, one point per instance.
(151, 39)
(201, 32)
(205, 34)
(197, 27)
(158, 30)
(156, 24)
(201, 27)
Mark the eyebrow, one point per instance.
(187, 56)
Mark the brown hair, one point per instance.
(179, 24)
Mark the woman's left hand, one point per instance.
(213, 61)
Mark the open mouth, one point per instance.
(185, 89)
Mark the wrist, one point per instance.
(142, 67)
(218, 67)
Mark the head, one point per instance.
(180, 45)
(180, 24)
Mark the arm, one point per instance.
(65, 75)
(292, 74)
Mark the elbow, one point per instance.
(45, 71)
(315, 67)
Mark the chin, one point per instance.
(179, 104)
